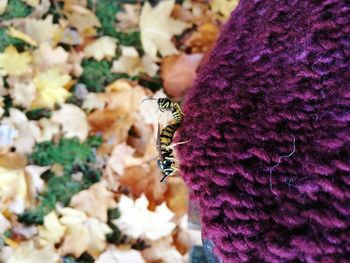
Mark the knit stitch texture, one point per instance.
(269, 121)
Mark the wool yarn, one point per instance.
(268, 118)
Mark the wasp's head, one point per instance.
(164, 104)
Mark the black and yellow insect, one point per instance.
(165, 104)
(165, 136)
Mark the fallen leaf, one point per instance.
(35, 183)
(52, 231)
(117, 255)
(223, 7)
(32, 3)
(35, 28)
(4, 224)
(13, 32)
(102, 48)
(178, 73)
(48, 129)
(121, 155)
(28, 253)
(163, 250)
(73, 121)
(50, 88)
(94, 201)
(14, 63)
(3, 6)
(93, 101)
(131, 63)
(137, 221)
(47, 57)
(129, 19)
(12, 185)
(22, 92)
(203, 39)
(82, 234)
(177, 196)
(156, 34)
(81, 18)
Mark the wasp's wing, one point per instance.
(158, 143)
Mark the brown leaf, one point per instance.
(176, 196)
(203, 39)
(178, 73)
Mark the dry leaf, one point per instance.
(176, 196)
(178, 73)
(35, 28)
(130, 63)
(50, 88)
(129, 19)
(36, 184)
(163, 250)
(3, 6)
(137, 221)
(82, 234)
(52, 231)
(47, 57)
(22, 92)
(20, 35)
(116, 255)
(7, 135)
(93, 101)
(32, 3)
(28, 253)
(223, 7)
(73, 121)
(4, 224)
(81, 18)
(48, 129)
(94, 201)
(102, 48)
(121, 157)
(203, 39)
(14, 63)
(156, 34)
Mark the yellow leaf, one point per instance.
(3, 6)
(47, 57)
(26, 252)
(50, 88)
(52, 231)
(14, 63)
(43, 30)
(157, 29)
(104, 47)
(224, 7)
(83, 233)
(22, 36)
(117, 255)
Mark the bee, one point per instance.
(165, 104)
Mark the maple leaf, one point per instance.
(73, 121)
(117, 255)
(52, 231)
(131, 63)
(22, 36)
(102, 48)
(50, 88)
(156, 34)
(14, 63)
(47, 57)
(22, 92)
(83, 233)
(93, 101)
(35, 28)
(94, 201)
(48, 129)
(4, 224)
(137, 221)
(26, 252)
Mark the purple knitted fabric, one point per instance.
(268, 118)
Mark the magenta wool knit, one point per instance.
(268, 117)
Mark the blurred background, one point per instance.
(79, 180)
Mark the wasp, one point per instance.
(165, 136)
(165, 104)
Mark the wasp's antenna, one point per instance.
(148, 99)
